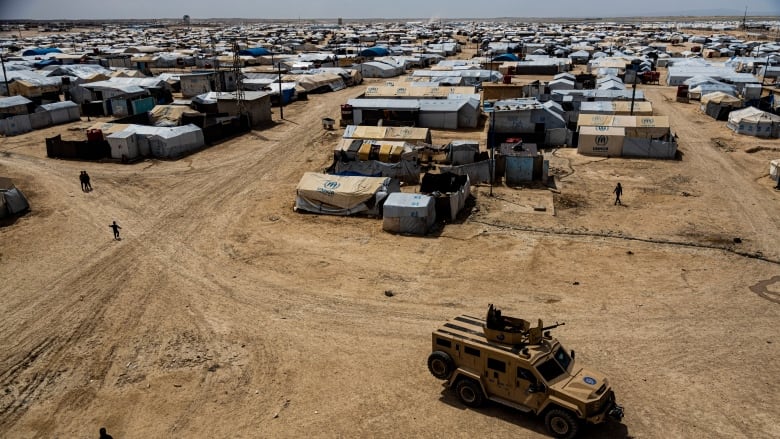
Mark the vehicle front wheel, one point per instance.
(470, 393)
(561, 423)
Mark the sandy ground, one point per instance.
(223, 313)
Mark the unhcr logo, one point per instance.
(329, 187)
(602, 128)
(602, 140)
(648, 121)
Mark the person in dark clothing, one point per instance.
(115, 227)
(87, 184)
(104, 435)
(83, 180)
(618, 191)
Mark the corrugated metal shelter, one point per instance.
(409, 213)
(162, 142)
(14, 105)
(61, 112)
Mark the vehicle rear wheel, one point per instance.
(561, 423)
(440, 364)
(470, 393)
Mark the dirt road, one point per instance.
(222, 313)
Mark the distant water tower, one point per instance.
(186, 20)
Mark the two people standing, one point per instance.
(86, 186)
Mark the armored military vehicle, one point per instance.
(504, 359)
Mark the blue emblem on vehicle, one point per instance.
(590, 381)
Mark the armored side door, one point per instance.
(498, 377)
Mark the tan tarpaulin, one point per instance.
(109, 128)
(594, 120)
(169, 113)
(645, 127)
(601, 141)
(392, 133)
(718, 97)
(415, 92)
(334, 190)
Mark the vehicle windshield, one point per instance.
(550, 369)
(563, 358)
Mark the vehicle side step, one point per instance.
(514, 405)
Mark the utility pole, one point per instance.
(5, 77)
(281, 95)
(491, 140)
(239, 80)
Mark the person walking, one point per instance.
(87, 184)
(115, 227)
(618, 191)
(83, 180)
(104, 435)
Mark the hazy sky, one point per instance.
(75, 9)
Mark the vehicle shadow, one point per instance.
(529, 421)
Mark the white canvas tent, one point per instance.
(409, 213)
(754, 122)
(343, 195)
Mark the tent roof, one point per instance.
(719, 97)
(753, 114)
(254, 51)
(374, 52)
(40, 51)
(13, 101)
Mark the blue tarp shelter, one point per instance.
(506, 57)
(254, 51)
(40, 51)
(46, 62)
(374, 52)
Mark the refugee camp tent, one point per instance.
(14, 105)
(12, 200)
(409, 213)
(163, 142)
(448, 114)
(601, 141)
(754, 122)
(61, 112)
(343, 195)
(718, 104)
